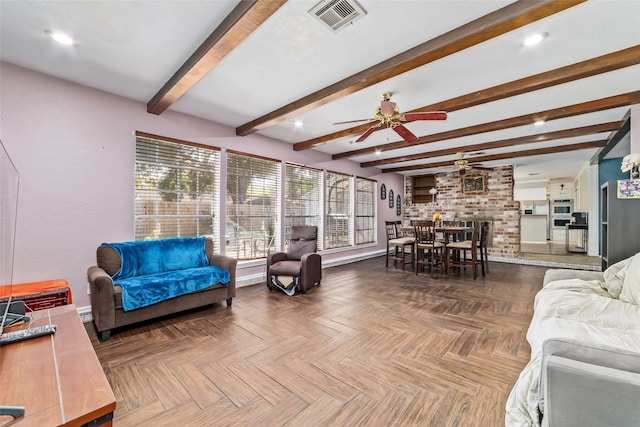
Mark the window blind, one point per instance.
(176, 189)
(365, 211)
(303, 199)
(338, 219)
(253, 205)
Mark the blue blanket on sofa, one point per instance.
(155, 270)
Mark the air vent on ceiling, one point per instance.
(336, 14)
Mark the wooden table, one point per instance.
(447, 231)
(452, 230)
(56, 378)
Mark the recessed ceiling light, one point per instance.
(378, 152)
(538, 123)
(298, 123)
(534, 39)
(60, 37)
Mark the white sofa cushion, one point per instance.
(614, 277)
(631, 284)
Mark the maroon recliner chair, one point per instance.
(300, 261)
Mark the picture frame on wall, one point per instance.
(391, 198)
(399, 206)
(474, 184)
(383, 192)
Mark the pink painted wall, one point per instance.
(75, 150)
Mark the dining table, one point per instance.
(452, 231)
(449, 233)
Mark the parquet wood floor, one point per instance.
(370, 347)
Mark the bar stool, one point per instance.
(456, 252)
(429, 251)
(399, 243)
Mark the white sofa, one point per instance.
(585, 331)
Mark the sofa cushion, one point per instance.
(614, 277)
(142, 291)
(631, 284)
(141, 258)
(108, 259)
(554, 274)
(297, 248)
(285, 268)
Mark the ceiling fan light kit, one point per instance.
(387, 115)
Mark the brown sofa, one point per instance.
(106, 299)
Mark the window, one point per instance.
(365, 211)
(303, 199)
(253, 205)
(176, 188)
(338, 220)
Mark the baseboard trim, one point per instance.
(255, 279)
(541, 263)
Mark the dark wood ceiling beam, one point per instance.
(504, 156)
(528, 139)
(247, 16)
(502, 21)
(527, 119)
(602, 64)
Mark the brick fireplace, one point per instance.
(496, 205)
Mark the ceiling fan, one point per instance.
(463, 164)
(388, 115)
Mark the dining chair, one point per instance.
(456, 253)
(399, 244)
(482, 246)
(446, 237)
(429, 251)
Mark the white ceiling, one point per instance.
(132, 48)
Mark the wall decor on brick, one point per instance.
(496, 205)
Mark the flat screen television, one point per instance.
(9, 182)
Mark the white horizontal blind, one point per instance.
(253, 205)
(177, 187)
(303, 199)
(339, 213)
(365, 210)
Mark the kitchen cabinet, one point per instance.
(533, 228)
(560, 190)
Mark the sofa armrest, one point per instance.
(554, 274)
(102, 300)
(229, 264)
(274, 257)
(589, 384)
(311, 268)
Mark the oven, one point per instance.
(560, 222)
(561, 213)
(562, 207)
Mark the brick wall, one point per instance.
(497, 204)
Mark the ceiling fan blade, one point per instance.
(427, 115)
(366, 134)
(387, 107)
(352, 121)
(405, 133)
(479, 166)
